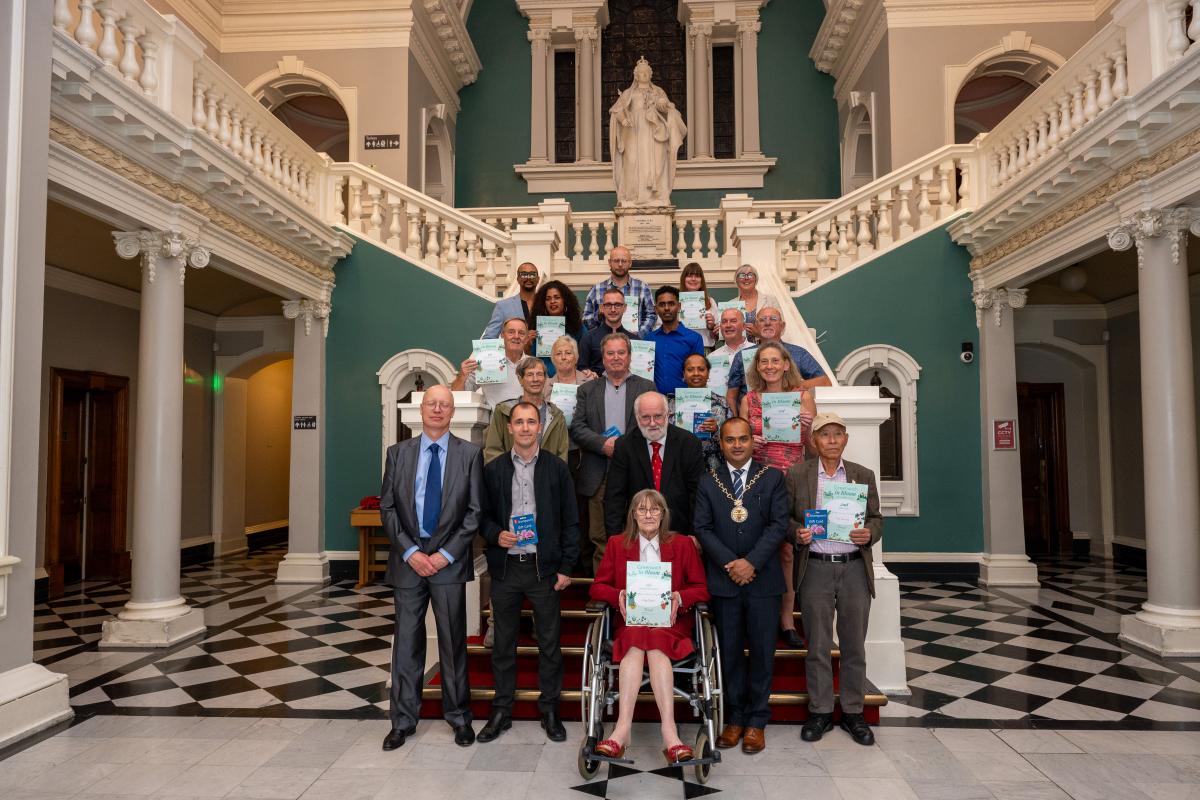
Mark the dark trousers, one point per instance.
(829, 587)
(408, 652)
(586, 549)
(747, 622)
(520, 581)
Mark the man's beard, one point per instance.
(653, 433)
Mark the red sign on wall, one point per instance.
(1004, 434)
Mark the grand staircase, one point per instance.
(789, 695)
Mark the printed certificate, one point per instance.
(781, 417)
(548, 331)
(692, 310)
(847, 507)
(641, 360)
(688, 402)
(493, 364)
(564, 396)
(648, 594)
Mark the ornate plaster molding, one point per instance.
(130, 170)
(174, 246)
(1140, 170)
(308, 310)
(996, 300)
(835, 32)
(1172, 223)
(448, 22)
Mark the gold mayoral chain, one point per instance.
(738, 513)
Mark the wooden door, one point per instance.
(1041, 426)
(86, 478)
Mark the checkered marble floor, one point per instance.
(1046, 657)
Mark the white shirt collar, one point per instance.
(649, 549)
(841, 468)
(745, 467)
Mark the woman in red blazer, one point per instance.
(648, 537)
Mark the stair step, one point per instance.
(576, 650)
(574, 695)
(578, 613)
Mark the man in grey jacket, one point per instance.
(430, 506)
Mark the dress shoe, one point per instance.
(730, 736)
(552, 725)
(497, 724)
(791, 637)
(857, 727)
(395, 738)
(816, 726)
(464, 735)
(754, 740)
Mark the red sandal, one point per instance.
(610, 748)
(678, 754)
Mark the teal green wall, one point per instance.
(798, 116)
(917, 298)
(382, 305)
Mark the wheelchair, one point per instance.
(699, 672)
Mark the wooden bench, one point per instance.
(372, 543)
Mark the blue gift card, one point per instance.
(817, 522)
(613, 430)
(525, 527)
(698, 419)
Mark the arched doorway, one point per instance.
(994, 87)
(312, 105)
(438, 167)
(859, 164)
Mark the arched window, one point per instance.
(895, 372)
(312, 105)
(994, 83)
(858, 143)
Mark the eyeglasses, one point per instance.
(438, 405)
(769, 319)
(745, 276)
(612, 305)
(527, 274)
(649, 511)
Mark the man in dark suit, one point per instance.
(654, 455)
(741, 519)
(430, 505)
(828, 579)
(521, 487)
(603, 412)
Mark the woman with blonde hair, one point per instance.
(648, 537)
(772, 370)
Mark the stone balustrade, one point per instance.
(420, 228)
(875, 217)
(592, 236)
(126, 36)
(1088, 84)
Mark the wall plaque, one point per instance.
(381, 141)
(304, 423)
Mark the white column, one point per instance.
(1169, 621)
(306, 561)
(585, 125)
(750, 146)
(156, 614)
(535, 243)
(539, 45)
(700, 127)
(1004, 560)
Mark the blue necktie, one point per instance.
(433, 492)
(737, 484)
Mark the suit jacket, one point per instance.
(587, 428)
(459, 520)
(802, 489)
(557, 514)
(506, 308)
(630, 472)
(757, 539)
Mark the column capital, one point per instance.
(586, 33)
(308, 310)
(700, 29)
(535, 35)
(749, 26)
(153, 245)
(1170, 223)
(996, 300)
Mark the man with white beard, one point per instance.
(659, 456)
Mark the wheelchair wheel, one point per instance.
(713, 673)
(585, 678)
(587, 767)
(703, 749)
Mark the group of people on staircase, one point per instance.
(728, 513)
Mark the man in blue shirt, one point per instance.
(673, 342)
(770, 326)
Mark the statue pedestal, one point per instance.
(646, 231)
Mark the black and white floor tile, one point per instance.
(1014, 657)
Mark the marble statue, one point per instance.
(645, 131)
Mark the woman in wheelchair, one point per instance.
(647, 538)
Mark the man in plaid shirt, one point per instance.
(638, 296)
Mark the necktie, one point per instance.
(656, 465)
(433, 492)
(737, 483)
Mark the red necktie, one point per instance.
(656, 465)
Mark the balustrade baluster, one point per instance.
(863, 236)
(412, 244)
(129, 63)
(224, 135)
(843, 240)
(1052, 131)
(594, 249)
(339, 205)
(277, 162)
(85, 31)
(1177, 34)
(1014, 148)
(199, 117)
(1105, 98)
(610, 237)
(1120, 77)
(432, 232)
(945, 192)
(823, 268)
(1077, 117)
(356, 209)
(966, 188)
(1031, 151)
(1193, 31)
(375, 228)
(235, 132)
(470, 244)
(62, 15)
(395, 228)
(148, 79)
(107, 50)
(883, 230)
(803, 279)
(1022, 152)
(1065, 128)
(995, 169)
(924, 219)
(257, 148)
(1090, 107)
(1043, 134)
(450, 260)
(211, 126)
(576, 241)
(711, 249)
(904, 215)
(489, 269)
